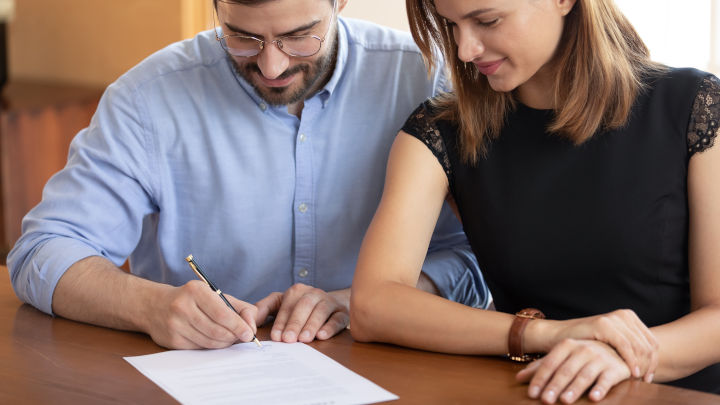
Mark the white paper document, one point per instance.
(277, 373)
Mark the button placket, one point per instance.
(304, 217)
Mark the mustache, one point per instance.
(254, 68)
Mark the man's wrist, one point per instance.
(141, 303)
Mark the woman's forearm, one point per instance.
(397, 313)
(688, 344)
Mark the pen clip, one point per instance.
(194, 266)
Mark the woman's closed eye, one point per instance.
(488, 23)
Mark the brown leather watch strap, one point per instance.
(515, 338)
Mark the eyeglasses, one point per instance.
(301, 46)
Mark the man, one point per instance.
(260, 148)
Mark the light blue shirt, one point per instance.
(182, 157)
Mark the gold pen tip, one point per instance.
(257, 342)
(189, 258)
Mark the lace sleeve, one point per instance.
(705, 116)
(421, 126)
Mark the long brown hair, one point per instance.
(601, 60)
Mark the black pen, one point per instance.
(196, 268)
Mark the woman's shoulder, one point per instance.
(692, 96)
(429, 123)
(432, 115)
(419, 119)
(676, 81)
(704, 115)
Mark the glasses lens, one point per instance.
(301, 45)
(241, 46)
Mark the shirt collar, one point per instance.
(327, 91)
(342, 55)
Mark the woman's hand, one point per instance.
(623, 331)
(571, 368)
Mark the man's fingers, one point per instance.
(239, 323)
(248, 315)
(268, 306)
(219, 315)
(180, 342)
(289, 298)
(283, 314)
(337, 322)
(192, 329)
(299, 316)
(319, 317)
(200, 308)
(204, 339)
(304, 312)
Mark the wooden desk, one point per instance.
(45, 360)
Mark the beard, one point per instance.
(312, 73)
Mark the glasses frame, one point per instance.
(277, 41)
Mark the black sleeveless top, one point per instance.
(584, 230)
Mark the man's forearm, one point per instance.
(95, 291)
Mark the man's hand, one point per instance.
(194, 317)
(303, 313)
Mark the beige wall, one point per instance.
(88, 41)
(385, 12)
(94, 41)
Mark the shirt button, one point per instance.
(302, 208)
(303, 272)
(302, 138)
(263, 106)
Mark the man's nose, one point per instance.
(272, 61)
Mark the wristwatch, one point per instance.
(515, 338)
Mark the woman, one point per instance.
(582, 173)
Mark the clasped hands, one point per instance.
(193, 317)
(594, 353)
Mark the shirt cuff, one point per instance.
(457, 277)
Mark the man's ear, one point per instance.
(341, 5)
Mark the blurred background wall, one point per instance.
(94, 41)
(62, 54)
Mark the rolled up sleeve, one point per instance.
(93, 207)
